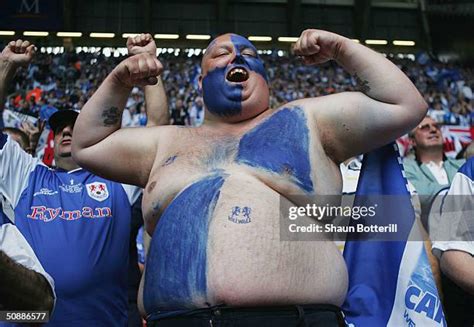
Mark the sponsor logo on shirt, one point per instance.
(98, 191)
(45, 191)
(49, 214)
(421, 297)
(71, 188)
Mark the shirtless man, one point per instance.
(213, 192)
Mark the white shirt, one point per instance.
(452, 215)
(438, 171)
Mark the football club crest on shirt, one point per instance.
(98, 191)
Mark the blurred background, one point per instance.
(442, 27)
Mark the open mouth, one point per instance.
(237, 75)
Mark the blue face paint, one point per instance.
(280, 144)
(221, 97)
(176, 270)
(253, 63)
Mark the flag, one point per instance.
(390, 278)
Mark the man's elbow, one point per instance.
(417, 107)
(413, 110)
(76, 155)
(79, 155)
(422, 108)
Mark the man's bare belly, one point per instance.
(218, 242)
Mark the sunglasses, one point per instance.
(427, 127)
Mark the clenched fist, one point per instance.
(317, 46)
(19, 52)
(141, 43)
(139, 70)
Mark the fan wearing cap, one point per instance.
(213, 193)
(77, 223)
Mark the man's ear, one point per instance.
(411, 139)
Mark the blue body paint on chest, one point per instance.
(281, 145)
(177, 261)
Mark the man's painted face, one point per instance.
(232, 73)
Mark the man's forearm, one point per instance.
(156, 104)
(7, 72)
(377, 77)
(102, 114)
(22, 288)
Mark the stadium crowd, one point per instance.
(68, 80)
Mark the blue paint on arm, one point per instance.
(176, 266)
(281, 145)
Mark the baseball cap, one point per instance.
(62, 117)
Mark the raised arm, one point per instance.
(387, 106)
(15, 54)
(156, 101)
(98, 143)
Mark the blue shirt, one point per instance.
(78, 224)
